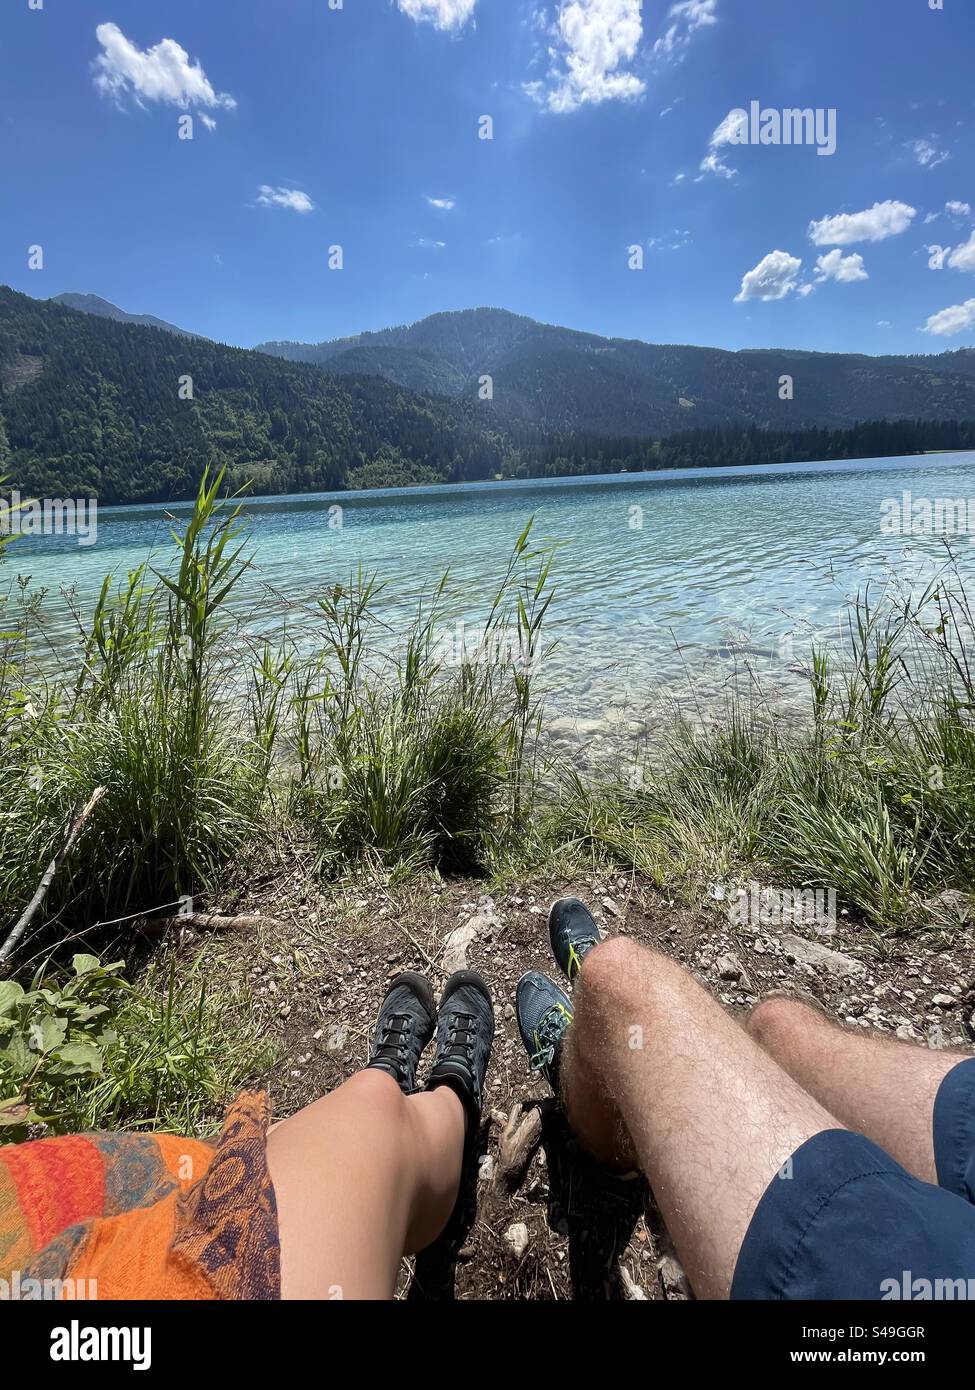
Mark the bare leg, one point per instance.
(654, 1069)
(877, 1086)
(361, 1178)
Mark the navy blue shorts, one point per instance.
(844, 1221)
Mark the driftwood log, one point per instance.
(519, 1140)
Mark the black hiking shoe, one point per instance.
(465, 1031)
(407, 1017)
(544, 1013)
(572, 931)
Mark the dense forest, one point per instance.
(94, 407)
(561, 379)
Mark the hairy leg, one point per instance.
(654, 1071)
(876, 1085)
(361, 1178)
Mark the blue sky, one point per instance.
(358, 126)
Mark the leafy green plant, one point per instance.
(50, 1035)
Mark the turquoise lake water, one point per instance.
(666, 584)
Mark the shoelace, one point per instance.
(549, 1034)
(395, 1037)
(466, 1024)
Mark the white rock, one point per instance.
(633, 1290)
(456, 946)
(517, 1239)
(672, 1275)
(813, 954)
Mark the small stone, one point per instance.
(485, 1168)
(729, 967)
(943, 1001)
(672, 1277)
(516, 1237)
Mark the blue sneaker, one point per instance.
(572, 931)
(544, 1013)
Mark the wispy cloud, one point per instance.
(727, 133)
(927, 153)
(163, 73)
(774, 277)
(874, 224)
(291, 198)
(444, 204)
(442, 14)
(684, 21)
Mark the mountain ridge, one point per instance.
(563, 378)
(95, 305)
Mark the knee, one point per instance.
(608, 966)
(777, 1018)
(622, 972)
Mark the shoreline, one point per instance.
(937, 459)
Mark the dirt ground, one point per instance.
(318, 965)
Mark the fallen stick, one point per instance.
(211, 921)
(75, 827)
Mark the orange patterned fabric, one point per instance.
(145, 1216)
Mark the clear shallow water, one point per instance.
(724, 559)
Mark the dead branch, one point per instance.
(75, 826)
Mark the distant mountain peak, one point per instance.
(103, 309)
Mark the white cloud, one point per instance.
(442, 14)
(952, 320)
(875, 224)
(963, 257)
(884, 323)
(803, 290)
(927, 154)
(846, 269)
(208, 121)
(163, 73)
(686, 18)
(431, 245)
(444, 204)
(727, 133)
(773, 278)
(670, 241)
(590, 42)
(291, 198)
(959, 209)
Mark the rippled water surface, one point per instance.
(664, 583)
